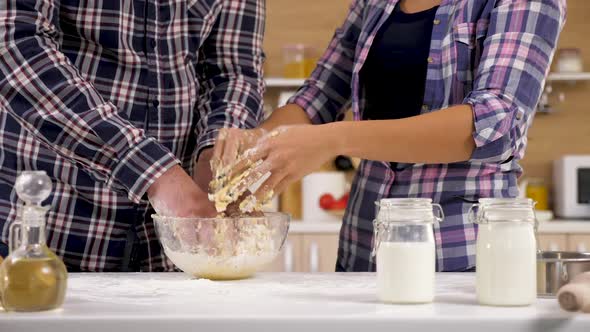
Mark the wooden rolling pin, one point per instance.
(575, 296)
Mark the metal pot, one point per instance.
(557, 268)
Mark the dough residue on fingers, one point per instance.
(224, 191)
(232, 180)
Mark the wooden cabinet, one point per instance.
(566, 242)
(307, 253)
(552, 242)
(580, 243)
(290, 259)
(319, 253)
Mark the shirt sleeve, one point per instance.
(46, 94)
(230, 71)
(517, 54)
(326, 94)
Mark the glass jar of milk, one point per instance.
(506, 251)
(405, 249)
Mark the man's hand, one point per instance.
(175, 194)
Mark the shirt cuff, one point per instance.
(493, 118)
(207, 140)
(312, 101)
(209, 137)
(141, 166)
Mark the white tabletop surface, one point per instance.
(557, 226)
(279, 303)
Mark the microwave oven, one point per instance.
(571, 184)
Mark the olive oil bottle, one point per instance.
(32, 277)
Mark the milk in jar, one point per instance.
(405, 272)
(506, 252)
(405, 250)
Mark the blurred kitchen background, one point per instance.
(297, 32)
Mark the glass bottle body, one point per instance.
(405, 250)
(32, 277)
(506, 252)
(32, 282)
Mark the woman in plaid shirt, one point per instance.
(481, 77)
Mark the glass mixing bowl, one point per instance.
(222, 248)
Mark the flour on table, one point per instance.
(172, 288)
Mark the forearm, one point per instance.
(287, 115)
(202, 171)
(444, 136)
(326, 94)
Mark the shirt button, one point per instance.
(430, 59)
(425, 107)
(518, 116)
(436, 21)
(156, 103)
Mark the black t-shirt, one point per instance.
(394, 74)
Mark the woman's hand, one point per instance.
(231, 143)
(288, 153)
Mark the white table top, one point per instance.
(546, 227)
(277, 302)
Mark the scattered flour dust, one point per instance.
(137, 289)
(148, 289)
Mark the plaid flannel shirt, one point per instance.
(491, 54)
(105, 96)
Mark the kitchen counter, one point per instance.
(545, 227)
(277, 302)
(565, 226)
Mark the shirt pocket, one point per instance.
(469, 40)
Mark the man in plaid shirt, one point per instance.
(115, 100)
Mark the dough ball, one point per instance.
(233, 209)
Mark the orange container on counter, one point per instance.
(536, 190)
(299, 60)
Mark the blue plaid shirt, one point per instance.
(491, 54)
